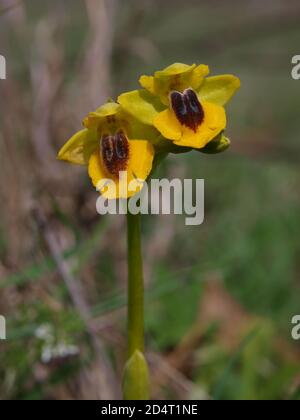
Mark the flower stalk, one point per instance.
(135, 286)
(136, 378)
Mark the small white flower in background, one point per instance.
(45, 332)
(51, 350)
(61, 351)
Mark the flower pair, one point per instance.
(179, 109)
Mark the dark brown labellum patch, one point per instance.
(114, 151)
(187, 108)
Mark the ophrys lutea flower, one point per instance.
(178, 109)
(116, 147)
(184, 105)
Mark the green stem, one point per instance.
(136, 379)
(135, 286)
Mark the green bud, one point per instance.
(218, 145)
(136, 378)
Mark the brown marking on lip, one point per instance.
(114, 151)
(187, 108)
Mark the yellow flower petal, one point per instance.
(141, 104)
(219, 89)
(79, 148)
(141, 158)
(110, 109)
(178, 76)
(147, 82)
(97, 172)
(141, 154)
(175, 69)
(168, 125)
(198, 75)
(214, 122)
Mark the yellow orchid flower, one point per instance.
(184, 105)
(113, 143)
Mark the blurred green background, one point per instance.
(220, 296)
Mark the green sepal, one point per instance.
(142, 105)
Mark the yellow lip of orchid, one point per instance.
(189, 128)
(112, 143)
(194, 93)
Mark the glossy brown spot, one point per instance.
(187, 108)
(121, 146)
(114, 151)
